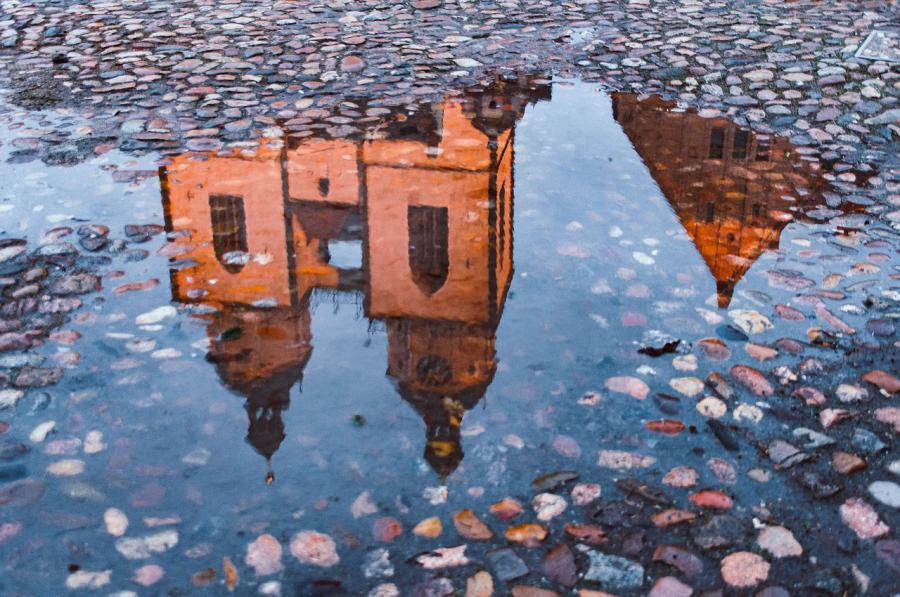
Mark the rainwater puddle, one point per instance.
(353, 335)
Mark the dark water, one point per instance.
(429, 313)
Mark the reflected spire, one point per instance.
(734, 191)
(426, 194)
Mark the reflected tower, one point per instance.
(425, 196)
(734, 191)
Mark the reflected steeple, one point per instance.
(734, 191)
(426, 195)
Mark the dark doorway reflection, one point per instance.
(428, 196)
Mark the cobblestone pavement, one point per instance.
(204, 72)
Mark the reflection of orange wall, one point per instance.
(392, 175)
(504, 209)
(734, 200)
(255, 344)
(393, 292)
(462, 146)
(318, 160)
(402, 173)
(467, 353)
(191, 180)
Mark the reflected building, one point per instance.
(426, 197)
(733, 191)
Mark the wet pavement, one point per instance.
(531, 336)
(312, 303)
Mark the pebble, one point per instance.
(613, 572)
(886, 492)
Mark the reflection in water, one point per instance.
(733, 191)
(427, 197)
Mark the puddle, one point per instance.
(422, 317)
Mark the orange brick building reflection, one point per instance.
(426, 196)
(733, 191)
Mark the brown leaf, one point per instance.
(204, 577)
(137, 286)
(715, 349)
(711, 498)
(883, 380)
(752, 379)
(588, 533)
(665, 426)
(672, 516)
(387, 528)
(559, 566)
(846, 463)
(679, 557)
(231, 573)
(506, 509)
(529, 534)
(470, 526)
(429, 528)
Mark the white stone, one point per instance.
(886, 492)
(116, 522)
(40, 433)
(467, 62)
(156, 315)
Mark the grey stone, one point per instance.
(506, 564)
(886, 492)
(866, 442)
(888, 117)
(812, 439)
(721, 531)
(614, 572)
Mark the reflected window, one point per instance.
(229, 230)
(345, 254)
(762, 150)
(324, 186)
(741, 144)
(429, 255)
(717, 143)
(433, 371)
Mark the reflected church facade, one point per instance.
(428, 196)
